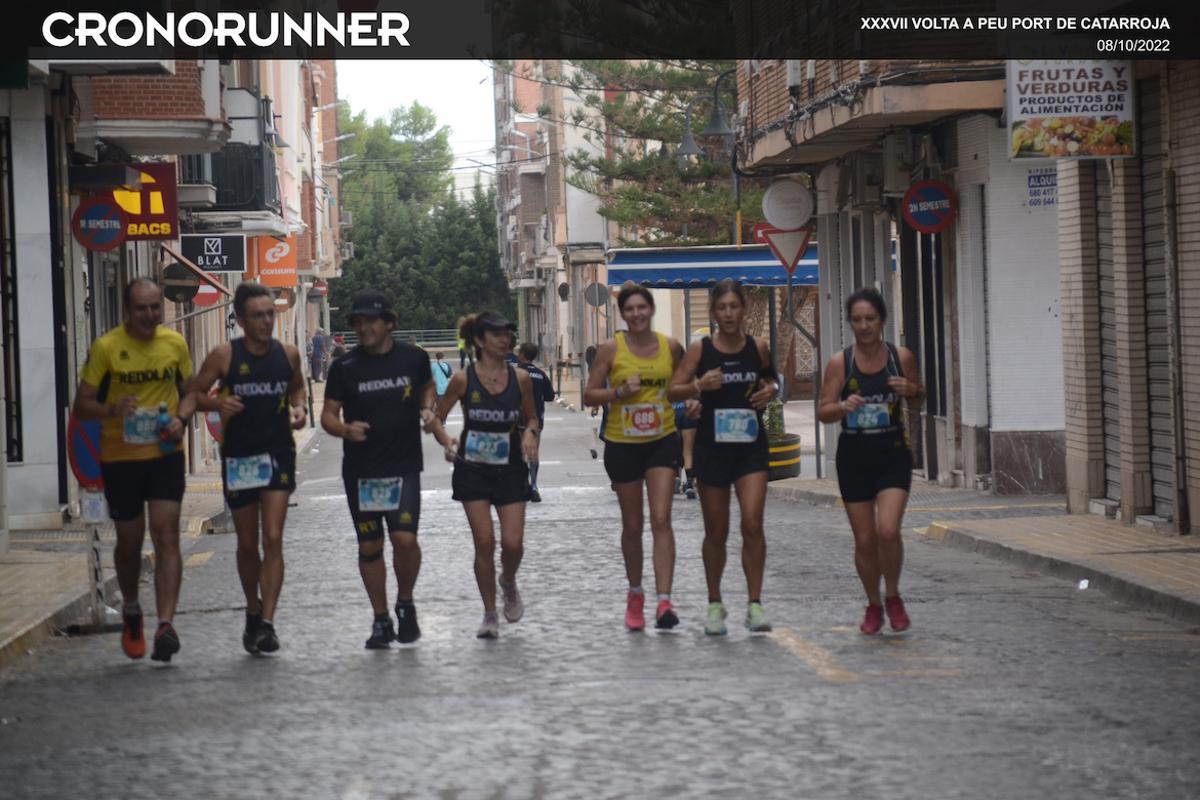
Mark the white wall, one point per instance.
(584, 223)
(33, 483)
(1024, 325)
(973, 139)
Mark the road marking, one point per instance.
(926, 509)
(815, 656)
(916, 673)
(198, 559)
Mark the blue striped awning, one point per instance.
(697, 267)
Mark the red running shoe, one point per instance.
(635, 615)
(896, 613)
(665, 617)
(872, 620)
(132, 640)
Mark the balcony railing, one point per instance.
(244, 175)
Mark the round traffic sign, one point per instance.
(99, 223)
(83, 452)
(596, 295)
(206, 295)
(929, 206)
(180, 284)
(787, 204)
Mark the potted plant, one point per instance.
(783, 447)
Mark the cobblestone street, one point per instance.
(1009, 684)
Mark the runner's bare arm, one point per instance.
(428, 394)
(297, 391)
(683, 382)
(88, 405)
(597, 394)
(529, 441)
(216, 364)
(455, 389)
(832, 409)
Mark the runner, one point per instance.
(736, 382)
(131, 372)
(542, 391)
(262, 400)
(490, 458)
(862, 388)
(687, 436)
(641, 445)
(441, 374)
(376, 397)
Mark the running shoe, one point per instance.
(489, 628)
(897, 616)
(689, 490)
(407, 629)
(535, 496)
(872, 620)
(267, 641)
(132, 640)
(250, 634)
(665, 618)
(382, 633)
(166, 643)
(514, 609)
(635, 616)
(714, 623)
(756, 619)
(678, 486)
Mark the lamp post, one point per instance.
(717, 127)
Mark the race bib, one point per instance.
(379, 494)
(641, 419)
(735, 425)
(872, 415)
(248, 472)
(141, 427)
(485, 447)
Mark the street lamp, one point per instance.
(716, 124)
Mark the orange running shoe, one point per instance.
(872, 620)
(132, 640)
(896, 613)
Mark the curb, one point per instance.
(794, 495)
(1119, 587)
(75, 607)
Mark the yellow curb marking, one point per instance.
(815, 656)
(936, 531)
(198, 559)
(924, 509)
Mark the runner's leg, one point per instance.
(512, 539)
(714, 504)
(890, 506)
(866, 547)
(479, 517)
(168, 565)
(127, 555)
(629, 497)
(274, 516)
(752, 497)
(660, 483)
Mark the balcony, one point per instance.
(246, 189)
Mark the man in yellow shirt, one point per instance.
(130, 373)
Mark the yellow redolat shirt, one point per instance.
(644, 415)
(120, 365)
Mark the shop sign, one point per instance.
(152, 206)
(1042, 183)
(276, 261)
(1070, 109)
(215, 252)
(929, 206)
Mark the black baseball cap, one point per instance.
(493, 321)
(371, 304)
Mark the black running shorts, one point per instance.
(500, 486)
(130, 484)
(406, 517)
(626, 463)
(283, 479)
(720, 465)
(869, 464)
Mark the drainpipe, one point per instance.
(1171, 253)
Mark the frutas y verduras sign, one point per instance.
(1070, 109)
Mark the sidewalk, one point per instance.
(44, 579)
(1131, 563)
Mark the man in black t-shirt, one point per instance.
(542, 391)
(377, 397)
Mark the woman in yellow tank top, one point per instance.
(630, 375)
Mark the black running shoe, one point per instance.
(250, 634)
(407, 629)
(166, 643)
(382, 633)
(267, 641)
(535, 496)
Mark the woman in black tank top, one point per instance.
(735, 383)
(490, 458)
(864, 388)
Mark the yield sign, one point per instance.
(788, 246)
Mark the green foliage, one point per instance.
(633, 114)
(434, 255)
(773, 420)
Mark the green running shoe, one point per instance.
(756, 619)
(714, 623)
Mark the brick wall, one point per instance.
(1080, 281)
(150, 96)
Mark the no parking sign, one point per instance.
(929, 206)
(99, 224)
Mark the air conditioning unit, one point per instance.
(868, 179)
(795, 75)
(347, 250)
(897, 164)
(346, 219)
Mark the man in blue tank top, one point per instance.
(262, 399)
